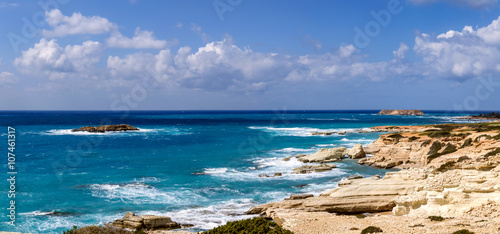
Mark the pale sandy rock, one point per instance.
(152, 221)
(313, 168)
(356, 152)
(325, 155)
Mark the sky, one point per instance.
(127, 55)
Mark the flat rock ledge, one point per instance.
(106, 128)
(150, 222)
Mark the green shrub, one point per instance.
(436, 218)
(484, 135)
(463, 158)
(250, 226)
(445, 166)
(463, 231)
(493, 152)
(425, 143)
(439, 134)
(448, 150)
(371, 229)
(447, 127)
(466, 143)
(435, 147)
(93, 229)
(413, 138)
(395, 135)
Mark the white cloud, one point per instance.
(8, 4)
(461, 54)
(401, 52)
(7, 78)
(140, 40)
(75, 24)
(49, 59)
(471, 3)
(221, 65)
(197, 29)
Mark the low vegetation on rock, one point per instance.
(371, 229)
(436, 218)
(254, 225)
(463, 231)
(107, 229)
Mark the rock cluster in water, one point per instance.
(401, 112)
(106, 128)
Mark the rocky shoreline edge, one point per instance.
(450, 181)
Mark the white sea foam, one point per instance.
(210, 216)
(139, 193)
(269, 166)
(142, 131)
(297, 131)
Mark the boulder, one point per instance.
(356, 152)
(152, 222)
(325, 155)
(130, 220)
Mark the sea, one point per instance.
(197, 167)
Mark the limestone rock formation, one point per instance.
(325, 155)
(356, 152)
(401, 112)
(106, 128)
(151, 222)
(313, 168)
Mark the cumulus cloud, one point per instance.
(221, 65)
(217, 66)
(75, 24)
(141, 40)
(461, 54)
(48, 58)
(472, 3)
(7, 78)
(401, 52)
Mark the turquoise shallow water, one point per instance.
(197, 167)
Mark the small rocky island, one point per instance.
(400, 112)
(106, 128)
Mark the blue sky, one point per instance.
(249, 54)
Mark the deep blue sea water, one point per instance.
(198, 167)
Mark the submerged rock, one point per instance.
(106, 128)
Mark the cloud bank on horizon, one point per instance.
(116, 60)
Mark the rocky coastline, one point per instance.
(450, 173)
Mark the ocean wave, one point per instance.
(292, 150)
(140, 193)
(209, 217)
(269, 166)
(296, 131)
